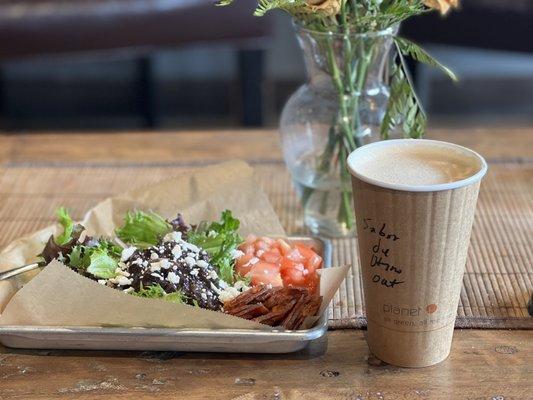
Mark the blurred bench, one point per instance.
(36, 28)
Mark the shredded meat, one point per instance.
(285, 307)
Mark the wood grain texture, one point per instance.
(147, 147)
(252, 145)
(483, 365)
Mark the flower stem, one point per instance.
(348, 76)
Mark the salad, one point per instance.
(208, 265)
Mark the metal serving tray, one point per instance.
(311, 341)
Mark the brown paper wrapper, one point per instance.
(58, 296)
(413, 248)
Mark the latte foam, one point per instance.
(411, 162)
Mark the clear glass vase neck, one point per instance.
(347, 59)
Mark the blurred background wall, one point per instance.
(128, 64)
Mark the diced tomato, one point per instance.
(242, 264)
(286, 264)
(305, 251)
(261, 245)
(264, 273)
(268, 240)
(283, 246)
(293, 273)
(249, 252)
(276, 262)
(244, 258)
(293, 277)
(295, 255)
(272, 256)
(313, 263)
(244, 268)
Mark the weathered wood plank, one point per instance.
(483, 365)
(201, 146)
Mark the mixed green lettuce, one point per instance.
(220, 240)
(99, 257)
(68, 227)
(157, 292)
(60, 246)
(143, 229)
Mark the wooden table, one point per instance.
(484, 364)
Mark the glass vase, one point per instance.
(340, 108)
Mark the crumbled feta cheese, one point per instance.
(122, 265)
(173, 278)
(204, 296)
(102, 281)
(119, 271)
(212, 274)
(202, 264)
(156, 275)
(190, 261)
(173, 236)
(260, 253)
(194, 272)
(155, 266)
(123, 281)
(127, 253)
(154, 256)
(228, 294)
(222, 284)
(128, 290)
(137, 261)
(241, 285)
(236, 253)
(176, 251)
(191, 247)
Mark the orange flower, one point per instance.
(442, 5)
(327, 7)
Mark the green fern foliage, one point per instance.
(290, 6)
(414, 51)
(403, 107)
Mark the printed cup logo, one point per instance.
(431, 308)
(403, 311)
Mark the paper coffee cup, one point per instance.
(414, 205)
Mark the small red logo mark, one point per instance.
(431, 308)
